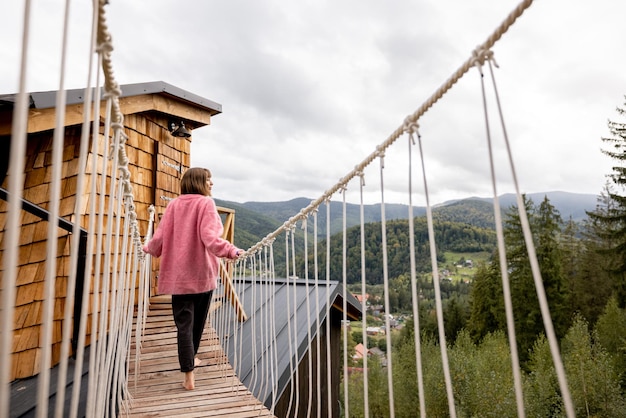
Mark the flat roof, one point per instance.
(47, 99)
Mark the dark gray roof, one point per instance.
(47, 99)
(249, 346)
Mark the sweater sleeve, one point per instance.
(211, 230)
(155, 245)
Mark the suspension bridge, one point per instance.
(86, 175)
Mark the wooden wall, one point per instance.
(282, 408)
(33, 248)
(156, 160)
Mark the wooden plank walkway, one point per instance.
(158, 391)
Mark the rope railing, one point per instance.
(409, 120)
(286, 338)
(108, 299)
(481, 55)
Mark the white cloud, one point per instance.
(309, 89)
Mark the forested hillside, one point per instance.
(472, 212)
(580, 244)
(254, 220)
(450, 236)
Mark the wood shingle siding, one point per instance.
(152, 152)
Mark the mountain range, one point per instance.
(254, 220)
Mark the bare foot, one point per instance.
(189, 382)
(197, 362)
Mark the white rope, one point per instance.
(274, 346)
(508, 305)
(12, 228)
(541, 294)
(264, 313)
(95, 355)
(123, 274)
(328, 340)
(414, 117)
(318, 371)
(69, 303)
(308, 314)
(238, 338)
(289, 243)
(253, 330)
(102, 384)
(92, 222)
(219, 316)
(144, 295)
(344, 322)
(436, 286)
(124, 264)
(43, 383)
(363, 300)
(237, 346)
(295, 382)
(412, 129)
(383, 224)
(227, 317)
(114, 308)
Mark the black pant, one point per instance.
(190, 313)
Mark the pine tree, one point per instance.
(592, 284)
(487, 305)
(548, 224)
(528, 322)
(545, 224)
(614, 217)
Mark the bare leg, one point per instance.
(189, 382)
(197, 362)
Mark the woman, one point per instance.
(189, 242)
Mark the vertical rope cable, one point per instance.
(96, 350)
(95, 355)
(274, 347)
(80, 185)
(120, 271)
(144, 295)
(318, 337)
(436, 285)
(412, 129)
(58, 142)
(308, 316)
(294, 342)
(288, 248)
(344, 322)
(383, 224)
(541, 293)
(12, 228)
(508, 305)
(366, 397)
(328, 340)
(264, 313)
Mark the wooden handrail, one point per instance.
(226, 270)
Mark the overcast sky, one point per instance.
(310, 88)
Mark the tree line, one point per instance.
(583, 271)
(449, 236)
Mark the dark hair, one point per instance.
(195, 181)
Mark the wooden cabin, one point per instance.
(157, 160)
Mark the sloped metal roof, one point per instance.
(270, 307)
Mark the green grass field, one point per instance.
(458, 267)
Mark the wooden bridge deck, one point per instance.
(158, 391)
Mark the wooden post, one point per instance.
(226, 270)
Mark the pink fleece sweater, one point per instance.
(189, 241)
